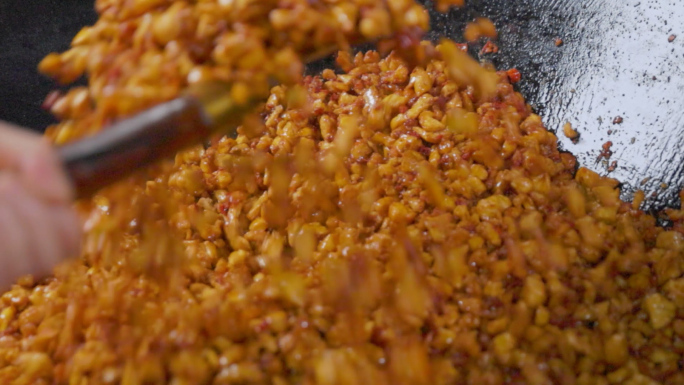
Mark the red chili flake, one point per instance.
(410, 37)
(613, 166)
(223, 208)
(262, 326)
(424, 151)
(517, 159)
(199, 52)
(411, 122)
(316, 84)
(489, 47)
(462, 46)
(558, 42)
(606, 152)
(514, 75)
(358, 86)
(606, 146)
(671, 38)
(618, 120)
(113, 75)
(126, 28)
(441, 101)
(50, 100)
(318, 110)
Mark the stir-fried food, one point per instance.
(142, 51)
(394, 224)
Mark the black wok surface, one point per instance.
(616, 60)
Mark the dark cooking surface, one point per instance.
(616, 60)
(29, 30)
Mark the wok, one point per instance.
(619, 58)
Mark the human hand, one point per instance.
(38, 226)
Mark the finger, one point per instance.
(35, 161)
(40, 233)
(12, 250)
(34, 235)
(69, 229)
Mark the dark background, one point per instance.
(615, 60)
(29, 30)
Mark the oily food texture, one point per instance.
(141, 52)
(401, 225)
(394, 230)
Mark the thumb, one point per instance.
(35, 162)
(35, 235)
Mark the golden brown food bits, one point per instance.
(393, 224)
(445, 5)
(570, 132)
(481, 27)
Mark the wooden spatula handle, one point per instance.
(114, 153)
